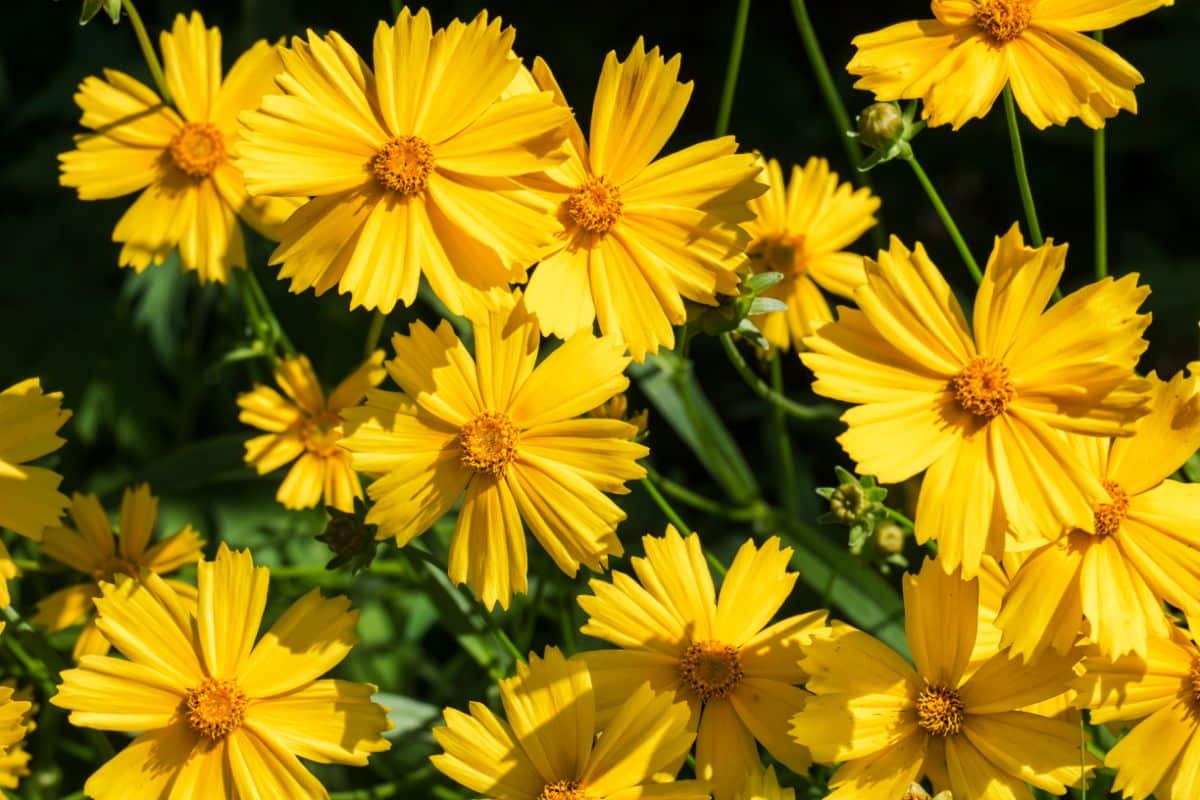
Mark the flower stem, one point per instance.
(731, 70)
(701, 503)
(665, 506)
(1100, 195)
(1014, 136)
(374, 333)
(760, 388)
(947, 220)
(156, 70)
(787, 464)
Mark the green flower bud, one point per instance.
(889, 538)
(880, 124)
(849, 502)
(349, 538)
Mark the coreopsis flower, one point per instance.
(892, 724)
(738, 673)
(409, 165)
(917, 792)
(1136, 544)
(551, 748)
(1160, 693)
(92, 548)
(177, 157)
(29, 496)
(978, 411)
(505, 434)
(959, 62)
(764, 786)
(303, 426)
(217, 715)
(801, 231)
(14, 758)
(639, 235)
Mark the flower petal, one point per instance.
(149, 624)
(766, 708)
(328, 721)
(1017, 285)
(754, 589)
(262, 769)
(309, 639)
(1043, 752)
(147, 768)
(116, 695)
(725, 750)
(1165, 438)
(483, 754)
(232, 595)
(487, 551)
(941, 613)
(192, 65)
(577, 377)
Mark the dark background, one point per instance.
(139, 357)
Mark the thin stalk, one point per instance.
(264, 306)
(702, 503)
(1100, 193)
(787, 464)
(1018, 152)
(374, 333)
(947, 220)
(665, 506)
(731, 70)
(760, 388)
(897, 517)
(156, 70)
(1082, 759)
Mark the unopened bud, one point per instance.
(880, 124)
(917, 792)
(349, 538)
(889, 538)
(849, 503)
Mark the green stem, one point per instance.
(947, 220)
(277, 332)
(156, 70)
(760, 388)
(731, 70)
(665, 506)
(896, 516)
(374, 333)
(1100, 195)
(702, 503)
(1018, 152)
(787, 464)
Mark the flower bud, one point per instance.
(849, 502)
(349, 538)
(880, 124)
(889, 538)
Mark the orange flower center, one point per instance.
(198, 149)
(983, 388)
(216, 708)
(1109, 516)
(940, 710)
(595, 206)
(403, 165)
(562, 790)
(1003, 20)
(321, 434)
(1194, 681)
(489, 442)
(781, 253)
(711, 669)
(115, 566)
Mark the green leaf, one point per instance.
(92, 7)
(209, 461)
(408, 716)
(757, 284)
(766, 305)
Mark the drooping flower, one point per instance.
(639, 235)
(218, 715)
(738, 672)
(764, 786)
(551, 748)
(891, 724)
(980, 411)
(1133, 548)
(92, 548)
(505, 435)
(409, 164)
(959, 62)
(304, 426)
(802, 230)
(177, 157)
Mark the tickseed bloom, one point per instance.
(92, 548)
(1137, 545)
(14, 758)
(802, 230)
(303, 426)
(721, 654)
(506, 436)
(551, 748)
(219, 716)
(179, 158)
(29, 496)
(892, 724)
(959, 62)
(410, 167)
(1160, 756)
(764, 786)
(640, 235)
(979, 411)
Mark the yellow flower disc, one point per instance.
(489, 442)
(216, 708)
(711, 669)
(403, 165)
(198, 149)
(940, 710)
(1004, 20)
(984, 387)
(562, 790)
(595, 206)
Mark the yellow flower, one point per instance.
(29, 496)
(14, 759)
(304, 426)
(737, 672)
(1136, 544)
(92, 548)
(917, 792)
(506, 433)
(979, 410)
(764, 786)
(959, 62)
(801, 231)
(1160, 756)
(892, 724)
(410, 166)
(177, 157)
(219, 716)
(548, 749)
(638, 235)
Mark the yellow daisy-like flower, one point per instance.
(218, 715)
(303, 425)
(639, 235)
(29, 496)
(764, 786)
(551, 747)
(504, 433)
(738, 672)
(959, 62)
(979, 411)
(1137, 545)
(179, 158)
(410, 166)
(1160, 756)
(801, 231)
(892, 724)
(92, 548)
(14, 759)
